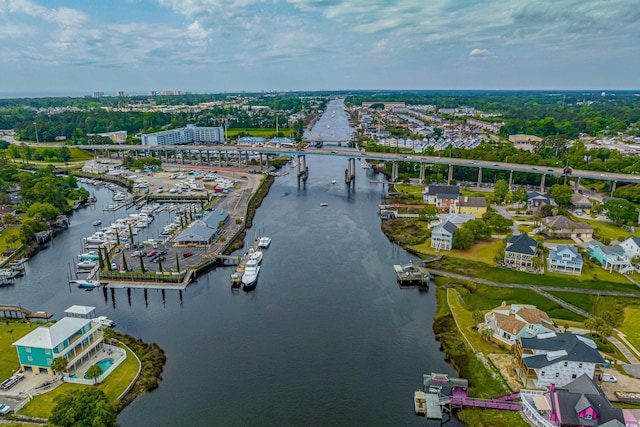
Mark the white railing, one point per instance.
(531, 412)
(105, 374)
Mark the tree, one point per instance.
(591, 324)
(124, 262)
(64, 154)
(562, 194)
(479, 228)
(11, 240)
(43, 211)
(142, 264)
(478, 316)
(94, 372)
(520, 195)
(428, 213)
(178, 263)
(83, 407)
(620, 211)
(59, 365)
(462, 238)
(500, 190)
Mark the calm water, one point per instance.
(326, 338)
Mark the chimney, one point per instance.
(466, 199)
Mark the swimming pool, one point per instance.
(104, 364)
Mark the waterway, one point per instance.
(326, 338)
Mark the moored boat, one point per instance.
(102, 320)
(91, 255)
(88, 284)
(324, 204)
(420, 402)
(87, 264)
(256, 255)
(97, 222)
(264, 242)
(250, 276)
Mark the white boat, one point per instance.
(264, 242)
(420, 402)
(93, 240)
(86, 264)
(333, 181)
(250, 276)
(97, 222)
(102, 320)
(88, 284)
(324, 204)
(255, 255)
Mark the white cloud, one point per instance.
(479, 53)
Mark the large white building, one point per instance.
(189, 134)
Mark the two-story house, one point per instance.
(556, 359)
(578, 403)
(565, 259)
(442, 236)
(611, 257)
(74, 339)
(432, 191)
(631, 247)
(561, 227)
(511, 322)
(536, 201)
(580, 201)
(520, 251)
(476, 206)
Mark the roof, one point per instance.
(519, 317)
(449, 226)
(51, 337)
(608, 249)
(447, 196)
(197, 233)
(473, 202)
(555, 254)
(522, 244)
(433, 190)
(80, 309)
(553, 348)
(635, 240)
(561, 222)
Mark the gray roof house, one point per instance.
(432, 191)
(442, 236)
(565, 259)
(631, 247)
(537, 200)
(520, 251)
(562, 227)
(557, 359)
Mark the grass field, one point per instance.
(9, 333)
(606, 229)
(9, 231)
(263, 132)
(630, 325)
(483, 251)
(113, 386)
(464, 320)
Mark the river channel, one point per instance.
(326, 338)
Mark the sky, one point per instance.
(211, 46)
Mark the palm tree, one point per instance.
(94, 372)
(177, 263)
(59, 365)
(142, 264)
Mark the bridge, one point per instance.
(241, 154)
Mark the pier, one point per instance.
(18, 312)
(412, 274)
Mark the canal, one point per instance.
(326, 338)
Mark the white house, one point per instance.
(510, 322)
(442, 236)
(631, 247)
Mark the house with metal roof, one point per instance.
(442, 236)
(75, 339)
(520, 251)
(565, 259)
(508, 323)
(611, 257)
(557, 359)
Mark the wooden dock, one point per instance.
(18, 312)
(434, 410)
(412, 274)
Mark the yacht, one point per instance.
(250, 276)
(264, 242)
(97, 222)
(103, 321)
(256, 255)
(86, 264)
(333, 181)
(91, 256)
(88, 284)
(324, 204)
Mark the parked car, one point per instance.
(187, 255)
(609, 379)
(114, 266)
(4, 409)
(152, 253)
(163, 252)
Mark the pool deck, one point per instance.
(103, 353)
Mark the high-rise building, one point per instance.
(98, 94)
(189, 134)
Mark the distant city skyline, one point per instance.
(71, 47)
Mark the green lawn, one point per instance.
(606, 229)
(630, 325)
(464, 320)
(9, 231)
(263, 132)
(482, 251)
(602, 280)
(113, 386)
(412, 190)
(8, 357)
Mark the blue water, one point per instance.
(105, 364)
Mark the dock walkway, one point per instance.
(18, 312)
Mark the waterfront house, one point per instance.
(75, 339)
(446, 202)
(631, 247)
(520, 251)
(611, 257)
(536, 201)
(579, 403)
(561, 227)
(508, 323)
(431, 192)
(475, 206)
(442, 236)
(556, 359)
(565, 259)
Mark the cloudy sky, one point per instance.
(80, 46)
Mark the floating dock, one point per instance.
(412, 274)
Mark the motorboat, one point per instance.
(88, 284)
(91, 255)
(102, 320)
(87, 264)
(333, 181)
(97, 222)
(324, 204)
(250, 276)
(255, 255)
(420, 402)
(264, 242)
